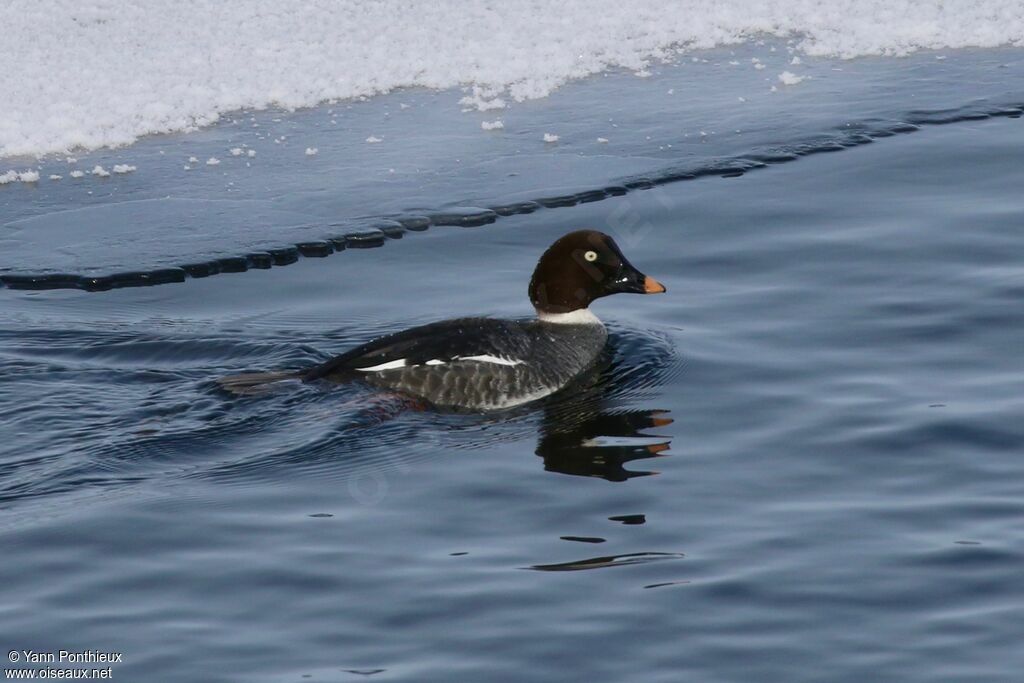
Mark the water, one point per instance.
(838, 495)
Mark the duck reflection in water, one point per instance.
(583, 434)
(598, 447)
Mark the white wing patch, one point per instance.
(390, 365)
(491, 359)
(400, 363)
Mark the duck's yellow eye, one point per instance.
(590, 256)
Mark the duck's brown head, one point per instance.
(583, 266)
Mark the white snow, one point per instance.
(251, 153)
(54, 176)
(77, 174)
(236, 151)
(212, 161)
(603, 141)
(98, 170)
(15, 176)
(492, 125)
(790, 78)
(123, 168)
(312, 151)
(373, 138)
(550, 137)
(483, 99)
(194, 60)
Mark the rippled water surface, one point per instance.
(803, 463)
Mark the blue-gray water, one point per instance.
(841, 498)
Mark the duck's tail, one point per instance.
(253, 383)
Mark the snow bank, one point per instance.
(93, 73)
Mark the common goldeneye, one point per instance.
(482, 364)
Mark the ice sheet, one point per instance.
(94, 73)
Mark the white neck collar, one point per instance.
(581, 316)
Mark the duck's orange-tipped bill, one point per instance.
(652, 286)
(661, 421)
(658, 448)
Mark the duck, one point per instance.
(483, 364)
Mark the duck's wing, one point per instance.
(451, 343)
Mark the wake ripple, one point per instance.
(90, 414)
